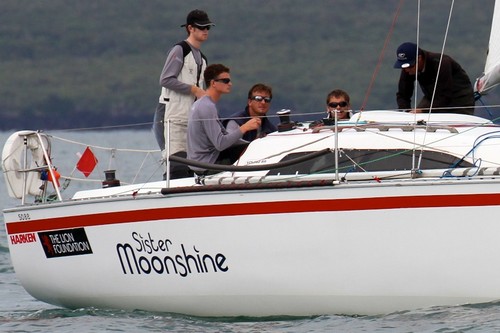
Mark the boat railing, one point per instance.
(45, 167)
(26, 155)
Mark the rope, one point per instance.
(486, 107)
(105, 148)
(104, 127)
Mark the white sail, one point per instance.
(491, 75)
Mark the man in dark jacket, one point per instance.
(259, 100)
(453, 92)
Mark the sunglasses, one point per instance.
(261, 98)
(342, 104)
(199, 27)
(225, 80)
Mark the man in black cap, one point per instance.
(182, 83)
(453, 92)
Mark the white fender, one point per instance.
(13, 158)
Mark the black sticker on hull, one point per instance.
(63, 243)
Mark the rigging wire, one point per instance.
(414, 156)
(437, 77)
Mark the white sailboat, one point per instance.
(387, 211)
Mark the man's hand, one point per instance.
(250, 125)
(197, 91)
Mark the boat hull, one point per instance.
(342, 249)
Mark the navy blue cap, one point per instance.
(406, 54)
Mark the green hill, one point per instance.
(74, 64)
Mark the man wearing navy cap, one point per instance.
(453, 92)
(182, 83)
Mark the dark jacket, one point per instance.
(243, 116)
(454, 87)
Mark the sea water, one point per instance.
(19, 312)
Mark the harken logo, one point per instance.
(63, 243)
(23, 238)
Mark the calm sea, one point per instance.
(19, 312)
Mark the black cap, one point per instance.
(199, 18)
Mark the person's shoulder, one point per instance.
(176, 50)
(206, 99)
(204, 103)
(200, 101)
(433, 56)
(436, 60)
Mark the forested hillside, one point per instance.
(74, 64)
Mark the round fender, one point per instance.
(13, 162)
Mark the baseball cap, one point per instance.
(197, 17)
(406, 54)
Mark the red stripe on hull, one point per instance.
(254, 208)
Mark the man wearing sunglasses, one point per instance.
(259, 100)
(182, 83)
(338, 102)
(208, 140)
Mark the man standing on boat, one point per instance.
(258, 103)
(453, 92)
(208, 141)
(182, 83)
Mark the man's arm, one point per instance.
(232, 126)
(406, 86)
(220, 138)
(171, 69)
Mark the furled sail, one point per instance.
(491, 75)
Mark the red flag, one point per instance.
(87, 162)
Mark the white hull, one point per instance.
(365, 248)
